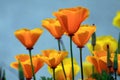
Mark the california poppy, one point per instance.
(71, 18)
(83, 34)
(53, 57)
(99, 60)
(26, 65)
(54, 27)
(28, 37)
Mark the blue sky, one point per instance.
(17, 14)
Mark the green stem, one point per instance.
(53, 73)
(62, 61)
(92, 65)
(93, 47)
(63, 46)
(81, 63)
(32, 64)
(115, 75)
(71, 57)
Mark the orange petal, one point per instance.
(22, 57)
(14, 65)
(94, 61)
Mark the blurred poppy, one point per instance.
(71, 18)
(26, 65)
(116, 20)
(99, 60)
(83, 34)
(53, 57)
(54, 27)
(87, 69)
(28, 37)
(102, 42)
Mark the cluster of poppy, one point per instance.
(68, 21)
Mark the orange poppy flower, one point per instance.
(26, 65)
(28, 37)
(54, 27)
(71, 18)
(83, 34)
(53, 57)
(98, 63)
(99, 60)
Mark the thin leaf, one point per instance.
(21, 74)
(115, 66)
(3, 77)
(43, 78)
(46, 78)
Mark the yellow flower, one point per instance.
(28, 37)
(116, 20)
(83, 34)
(102, 42)
(71, 18)
(53, 57)
(87, 69)
(26, 65)
(54, 27)
(67, 66)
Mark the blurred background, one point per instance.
(17, 14)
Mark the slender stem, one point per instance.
(59, 45)
(93, 47)
(62, 44)
(32, 64)
(71, 57)
(115, 75)
(81, 63)
(93, 55)
(53, 73)
(62, 61)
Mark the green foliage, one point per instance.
(109, 63)
(115, 66)
(103, 76)
(2, 74)
(45, 78)
(21, 74)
